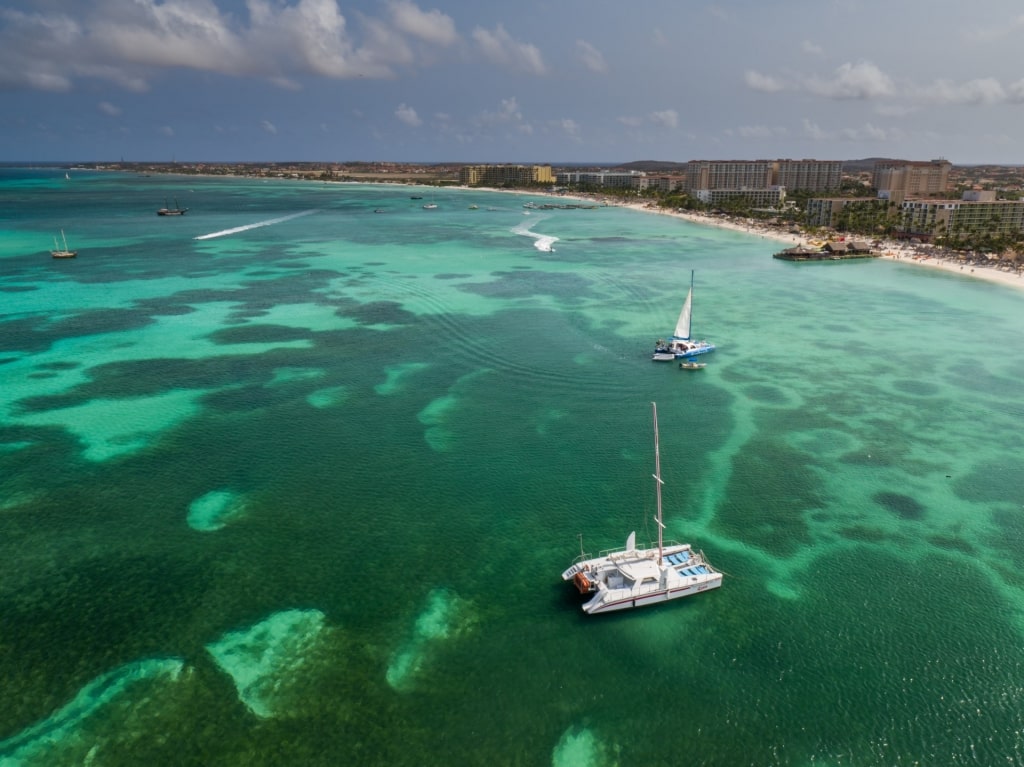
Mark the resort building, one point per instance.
(636, 180)
(500, 175)
(771, 197)
(808, 175)
(707, 175)
(975, 212)
(899, 180)
(829, 211)
(666, 184)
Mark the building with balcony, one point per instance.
(808, 175)
(899, 180)
(771, 197)
(709, 175)
(829, 211)
(635, 180)
(501, 175)
(975, 212)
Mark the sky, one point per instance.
(558, 81)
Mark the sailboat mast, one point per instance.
(657, 481)
(64, 238)
(691, 299)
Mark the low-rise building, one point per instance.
(771, 197)
(635, 180)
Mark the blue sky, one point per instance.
(468, 81)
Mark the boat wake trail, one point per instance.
(542, 242)
(257, 225)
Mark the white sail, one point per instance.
(683, 324)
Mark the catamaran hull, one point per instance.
(606, 603)
(694, 351)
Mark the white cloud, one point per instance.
(631, 121)
(569, 127)
(863, 80)
(764, 83)
(129, 42)
(812, 48)
(666, 118)
(986, 35)
(269, 127)
(431, 26)
(109, 109)
(868, 132)
(167, 130)
(508, 111)
(813, 131)
(983, 91)
(591, 57)
(499, 47)
(720, 13)
(760, 131)
(408, 115)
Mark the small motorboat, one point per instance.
(691, 365)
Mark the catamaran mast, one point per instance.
(657, 481)
(691, 299)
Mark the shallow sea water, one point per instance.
(287, 481)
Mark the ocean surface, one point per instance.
(288, 481)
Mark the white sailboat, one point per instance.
(680, 344)
(632, 577)
(59, 252)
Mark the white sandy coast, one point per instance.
(921, 255)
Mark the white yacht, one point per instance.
(634, 577)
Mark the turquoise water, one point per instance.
(300, 492)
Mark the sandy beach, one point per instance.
(917, 255)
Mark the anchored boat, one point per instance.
(635, 577)
(680, 344)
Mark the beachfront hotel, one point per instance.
(976, 211)
(742, 175)
(899, 179)
(501, 175)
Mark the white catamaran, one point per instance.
(680, 344)
(632, 577)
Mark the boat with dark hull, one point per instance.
(175, 211)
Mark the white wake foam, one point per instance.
(257, 225)
(542, 242)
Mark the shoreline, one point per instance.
(918, 255)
